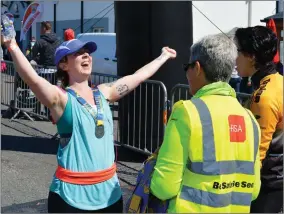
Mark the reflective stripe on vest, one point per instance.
(215, 200)
(209, 165)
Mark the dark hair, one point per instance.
(46, 25)
(62, 75)
(279, 68)
(258, 41)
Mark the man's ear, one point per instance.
(198, 68)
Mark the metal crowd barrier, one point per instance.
(25, 100)
(132, 114)
(18, 96)
(139, 118)
(244, 99)
(99, 78)
(181, 92)
(146, 104)
(8, 84)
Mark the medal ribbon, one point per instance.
(99, 104)
(88, 107)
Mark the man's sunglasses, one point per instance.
(188, 65)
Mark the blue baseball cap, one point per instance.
(72, 46)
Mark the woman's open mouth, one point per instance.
(85, 64)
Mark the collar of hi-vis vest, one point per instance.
(216, 88)
(262, 73)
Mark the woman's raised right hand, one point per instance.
(8, 43)
(8, 33)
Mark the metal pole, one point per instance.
(249, 25)
(54, 17)
(249, 13)
(22, 41)
(82, 17)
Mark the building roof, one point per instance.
(277, 16)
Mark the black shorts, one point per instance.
(57, 205)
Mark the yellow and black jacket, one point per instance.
(267, 107)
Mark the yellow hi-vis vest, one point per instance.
(223, 149)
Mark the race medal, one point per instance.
(100, 131)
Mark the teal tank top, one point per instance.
(80, 151)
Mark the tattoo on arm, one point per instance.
(122, 89)
(110, 84)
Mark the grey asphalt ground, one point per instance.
(28, 162)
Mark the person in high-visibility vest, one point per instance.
(257, 47)
(209, 159)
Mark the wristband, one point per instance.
(12, 47)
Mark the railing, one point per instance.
(7, 84)
(139, 118)
(181, 92)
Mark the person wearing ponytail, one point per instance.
(257, 47)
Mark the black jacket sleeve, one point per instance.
(35, 51)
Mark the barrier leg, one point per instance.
(25, 113)
(28, 116)
(54, 136)
(14, 117)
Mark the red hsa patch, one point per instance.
(237, 128)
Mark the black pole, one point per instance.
(54, 17)
(82, 17)
(153, 33)
(30, 34)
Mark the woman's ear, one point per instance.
(63, 66)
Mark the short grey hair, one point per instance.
(217, 55)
